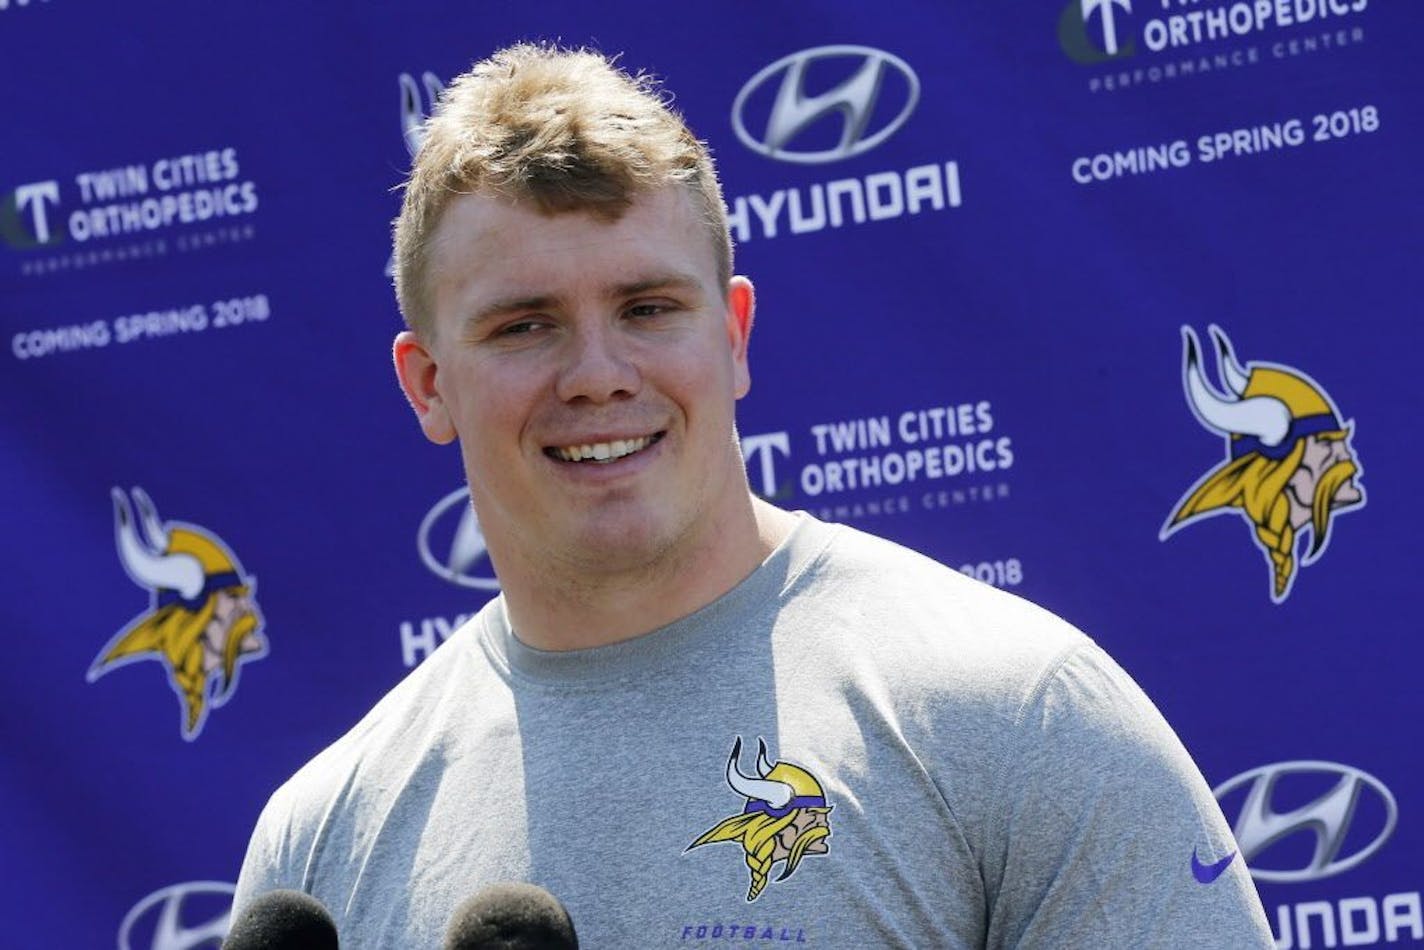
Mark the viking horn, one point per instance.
(1233, 377)
(763, 763)
(153, 531)
(412, 116)
(180, 572)
(1262, 417)
(433, 88)
(776, 794)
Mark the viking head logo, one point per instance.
(1289, 465)
(786, 817)
(202, 623)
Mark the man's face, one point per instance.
(560, 337)
(1321, 456)
(234, 615)
(807, 819)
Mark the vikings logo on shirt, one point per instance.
(1289, 465)
(785, 818)
(201, 624)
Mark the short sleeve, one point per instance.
(268, 864)
(1106, 834)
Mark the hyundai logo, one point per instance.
(1329, 817)
(793, 111)
(451, 524)
(159, 918)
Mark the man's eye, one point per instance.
(647, 309)
(519, 328)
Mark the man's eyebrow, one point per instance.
(671, 280)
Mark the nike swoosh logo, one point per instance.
(1206, 873)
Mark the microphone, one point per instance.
(283, 920)
(511, 917)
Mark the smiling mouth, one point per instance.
(603, 452)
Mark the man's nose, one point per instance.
(598, 367)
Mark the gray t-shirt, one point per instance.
(854, 747)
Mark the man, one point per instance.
(693, 717)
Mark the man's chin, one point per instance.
(604, 544)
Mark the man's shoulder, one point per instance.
(327, 810)
(900, 594)
(396, 728)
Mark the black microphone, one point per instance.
(511, 917)
(283, 920)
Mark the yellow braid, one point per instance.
(174, 633)
(759, 863)
(1256, 485)
(1278, 538)
(757, 833)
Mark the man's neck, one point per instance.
(554, 608)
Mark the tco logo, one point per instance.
(181, 917)
(1329, 817)
(1112, 36)
(793, 132)
(451, 527)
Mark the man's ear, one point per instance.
(416, 370)
(741, 311)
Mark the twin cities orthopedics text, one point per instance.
(935, 443)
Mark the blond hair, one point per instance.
(174, 633)
(559, 130)
(757, 833)
(1257, 485)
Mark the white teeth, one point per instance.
(603, 451)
